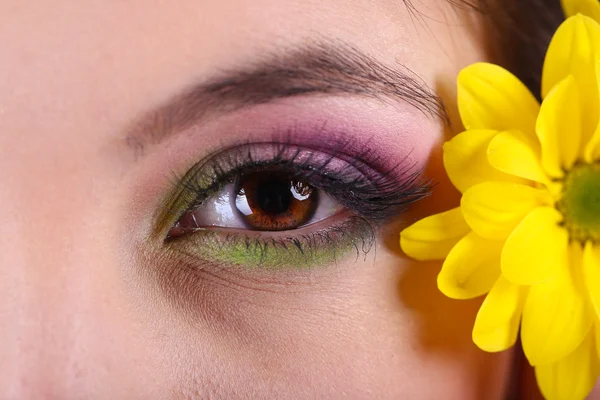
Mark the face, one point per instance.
(204, 200)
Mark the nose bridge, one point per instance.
(44, 286)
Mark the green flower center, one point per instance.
(580, 202)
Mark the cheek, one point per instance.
(302, 347)
(358, 329)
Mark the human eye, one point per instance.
(281, 204)
(267, 199)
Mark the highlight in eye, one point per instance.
(279, 205)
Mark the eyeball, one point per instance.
(261, 201)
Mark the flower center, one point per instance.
(580, 202)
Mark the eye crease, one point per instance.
(279, 204)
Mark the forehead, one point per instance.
(126, 51)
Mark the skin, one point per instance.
(79, 317)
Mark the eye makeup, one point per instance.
(368, 196)
(302, 249)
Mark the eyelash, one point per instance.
(370, 195)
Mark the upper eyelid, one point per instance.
(245, 155)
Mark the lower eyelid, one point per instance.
(307, 247)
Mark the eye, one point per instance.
(275, 205)
(267, 200)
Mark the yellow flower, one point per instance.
(527, 231)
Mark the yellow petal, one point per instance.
(596, 329)
(432, 238)
(591, 8)
(497, 322)
(591, 270)
(573, 51)
(471, 268)
(466, 163)
(494, 209)
(517, 153)
(559, 127)
(537, 249)
(490, 97)
(557, 315)
(573, 377)
(592, 148)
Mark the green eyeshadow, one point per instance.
(317, 248)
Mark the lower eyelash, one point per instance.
(320, 247)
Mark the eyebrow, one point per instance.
(317, 69)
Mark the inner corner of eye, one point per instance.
(260, 201)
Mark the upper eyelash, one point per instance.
(372, 194)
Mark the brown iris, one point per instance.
(274, 201)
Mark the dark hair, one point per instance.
(519, 33)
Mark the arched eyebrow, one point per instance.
(318, 69)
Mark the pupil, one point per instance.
(273, 196)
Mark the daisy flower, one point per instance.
(527, 231)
